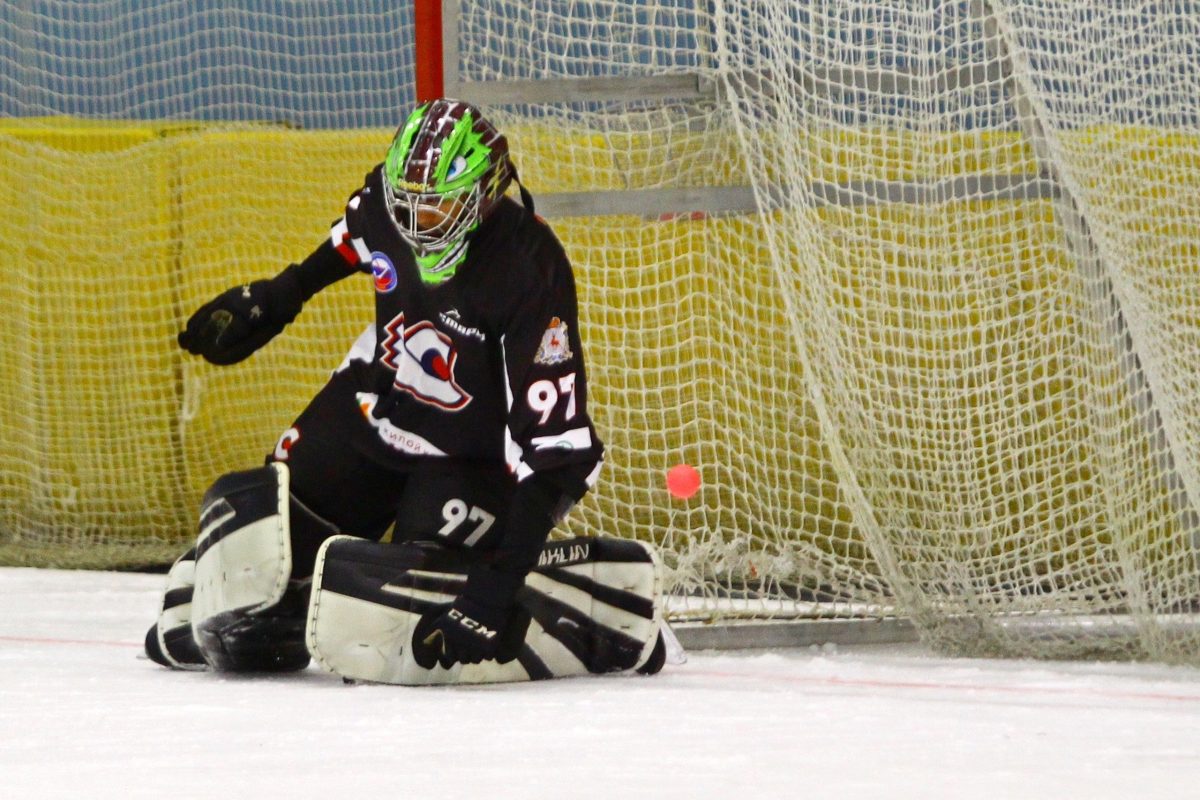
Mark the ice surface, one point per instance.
(82, 716)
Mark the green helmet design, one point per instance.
(445, 171)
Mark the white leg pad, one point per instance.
(243, 553)
(174, 627)
(595, 607)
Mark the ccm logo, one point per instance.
(467, 622)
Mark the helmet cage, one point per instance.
(459, 213)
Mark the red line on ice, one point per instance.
(41, 640)
(958, 687)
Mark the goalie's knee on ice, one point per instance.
(270, 640)
(247, 615)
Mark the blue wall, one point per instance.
(267, 60)
(291, 61)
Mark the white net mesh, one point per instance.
(947, 367)
(150, 156)
(944, 369)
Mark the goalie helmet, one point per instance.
(446, 169)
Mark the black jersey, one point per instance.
(484, 366)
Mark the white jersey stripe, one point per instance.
(349, 247)
(594, 475)
(513, 454)
(393, 435)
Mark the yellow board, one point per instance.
(115, 233)
(89, 448)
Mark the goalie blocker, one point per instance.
(590, 606)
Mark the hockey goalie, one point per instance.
(458, 421)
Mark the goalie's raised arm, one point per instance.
(240, 320)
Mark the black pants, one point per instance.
(344, 479)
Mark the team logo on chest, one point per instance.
(424, 359)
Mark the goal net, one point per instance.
(944, 365)
(914, 285)
(152, 155)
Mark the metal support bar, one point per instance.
(982, 187)
(700, 86)
(648, 202)
(816, 79)
(626, 89)
(804, 633)
(741, 200)
(450, 18)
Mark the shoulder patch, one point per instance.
(555, 347)
(384, 272)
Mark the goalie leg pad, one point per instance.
(247, 616)
(597, 599)
(169, 641)
(591, 606)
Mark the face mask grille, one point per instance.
(431, 222)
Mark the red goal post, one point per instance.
(427, 41)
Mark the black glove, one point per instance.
(483, 624)
(237, 322)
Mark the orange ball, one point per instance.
(683, 481)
